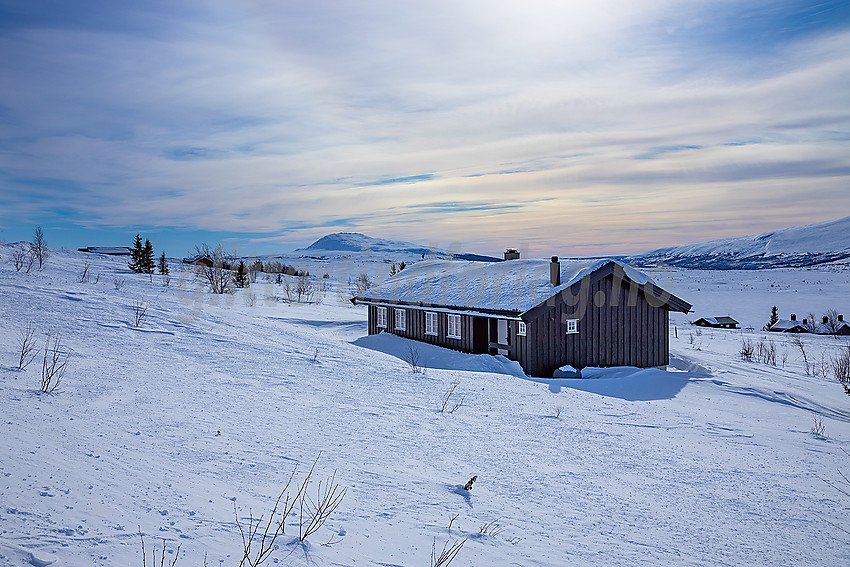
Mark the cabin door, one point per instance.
(502, 334)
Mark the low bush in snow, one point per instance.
(747, 349)
(54, 364)
(841, 369)
(26, 342)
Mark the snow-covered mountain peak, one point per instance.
(796, 246)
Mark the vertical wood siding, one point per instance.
(618, 327)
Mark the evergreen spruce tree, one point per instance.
(241, 278)
(136, 253)
(774, 317)
(163, 264)
(147, 262)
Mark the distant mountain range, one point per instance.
(354, 242)
(794, 247)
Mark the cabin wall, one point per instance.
(617, 327)
(415, 328)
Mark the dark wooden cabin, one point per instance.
(604, 314)
(717, 322)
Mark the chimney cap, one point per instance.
(793, 316)
(554, 259)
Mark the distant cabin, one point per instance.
(542, 314)
(717, 322)
(791, 326)
(108, 250)
(837, 327)
(198, 261)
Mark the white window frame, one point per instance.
(453, 326)
(572, 326)
(521, 328)
(381, 318)
(431, 323)
(400, 319)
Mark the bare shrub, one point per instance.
(288, 289)
(841, 369)
(38, 248)
(448, 554)
(21, 256)
(842, 486)
(218, 277)
(558, 410)
(490, 529)
(26, 340)
(54, 364)
(166, 280)
(362, 284)
(162, 562)
(766, 351)
(140, 313)
(304, 289)
(817, 426)
(119, 284)
(312, 514)
(821, 367)
(747, 349)
(414, 360)
(84, 273)
(798, 342)
(451, 400)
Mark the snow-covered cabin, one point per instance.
(543, 314)
(723, 322)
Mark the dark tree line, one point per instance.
(142, 258)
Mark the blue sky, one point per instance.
(560, 127)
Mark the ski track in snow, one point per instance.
(710, 463)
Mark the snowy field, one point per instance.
(212, 402)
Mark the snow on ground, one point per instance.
(712, 462)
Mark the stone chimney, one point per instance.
(805, 321)
(840, 318)
(825, 319)
(511, 254)
(555, 272)
(793, 317)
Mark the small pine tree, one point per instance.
(241, 277)
(136, 254)
(774, 317)
(147, 262)
(163, 264)
(393, 270)
(402, 266)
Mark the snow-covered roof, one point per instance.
(110, 250)
(509, 286)
(785, 325)
(722, 320)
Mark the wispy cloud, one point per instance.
(465, 120)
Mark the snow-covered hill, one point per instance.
(211, 402)
(798, 246)
(347, 242)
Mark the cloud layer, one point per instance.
(579, 127)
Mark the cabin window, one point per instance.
(520, 330)
(382, 317)
(400, 320)
(430, 323)
(454, 326)
(572, 326)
